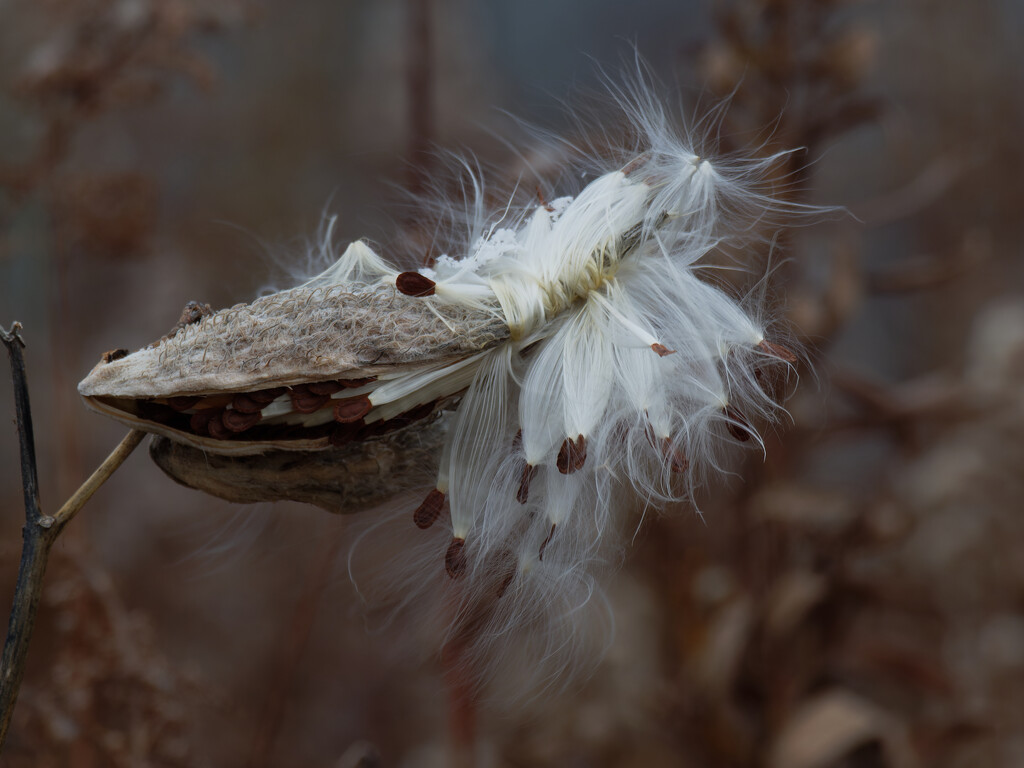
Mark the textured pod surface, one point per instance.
(339, 480)
(299, 335)
(275, 373)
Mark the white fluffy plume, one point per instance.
(625, 375)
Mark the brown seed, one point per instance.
(243, 403)
(633, 164)
(777, 350)
(199, 422)
(676, 458)
(352, 410)
(356, 383)
(238, 421)
(572, 455)
(662, 350)
(737, 425)
(114, 354)
(455, 558)
(213, 402)
(182, 403)
(217, 429)
(266, 396)
(544, 544)
(523, 494)
(305, 401)
(507, 563)
(325, 387)
(426, 514)
(415, 284)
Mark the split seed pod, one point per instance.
(584, 357)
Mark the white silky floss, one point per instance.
(624, 376)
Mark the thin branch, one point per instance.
(39, 533)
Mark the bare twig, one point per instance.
(40, 531)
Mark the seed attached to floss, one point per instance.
(414, 284)
(523, 494)
(676, 458)
(737, 424)
(455, 558)
(662, 350)
(544, 544)
(352, 410)
(426, 514)
(572, 455)
(777, 350)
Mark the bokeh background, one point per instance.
(857, 599)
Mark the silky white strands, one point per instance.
(624, 375)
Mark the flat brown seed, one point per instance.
(356, 383)
(737, 425)
(114, 354)
(266, 396)
(217, 428)
(426, 514)
(352, 410)
(777, 350)
(182, 403)
(523, 494)
(305, 401)
(199, 422)
(325, 387)
(544, 544)
(245, 404)
(237, 421)
(415, 284)
(455, 558)
(662, 350)
(676, 458)
(572, 455)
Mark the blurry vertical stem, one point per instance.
(40, 531)
(420, 91)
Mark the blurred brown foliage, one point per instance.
(857, 600)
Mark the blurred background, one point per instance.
(855, 600)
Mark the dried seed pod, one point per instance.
(251, 354)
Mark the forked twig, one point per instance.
(40, 531)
